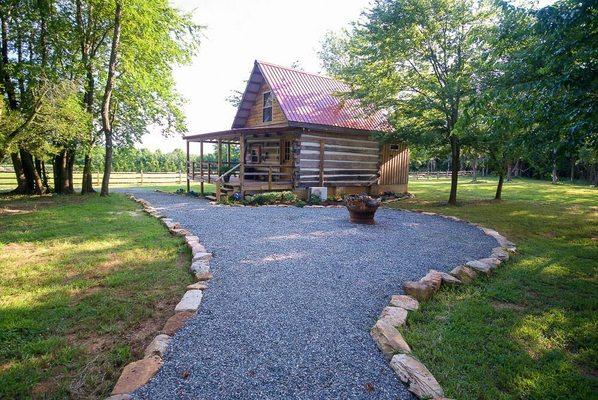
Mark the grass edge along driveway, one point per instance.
(531, 330)
(85, 284)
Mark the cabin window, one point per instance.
(286, 150)
(267, 111)
(255, 154)
(394, 147)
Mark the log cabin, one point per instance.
(294, 132)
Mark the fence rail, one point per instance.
(7, 177)
(436, 174)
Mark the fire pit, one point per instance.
(361, 208)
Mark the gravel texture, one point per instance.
(294, 295)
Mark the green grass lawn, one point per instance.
(85, 284)
(530, 331)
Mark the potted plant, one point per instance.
(361, 208)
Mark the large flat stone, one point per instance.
(397, 316)
(500, 253)
(464, 273)
(191, 239)
(388, 339)
(203, 276)
(176, 322)
(415, 374)
(433, 277)
(119, 397)
(158, 346)
(404, 301)
(480, 266)
(200, 266)
(421, 290)
(197, 286)
(137, 374)
(494, 262)
(447, 279)
(197, 248)
(190, 301)
(179, 231)
(485, 265)
(200, 255)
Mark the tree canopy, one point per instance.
(57, 59)
(500, 80)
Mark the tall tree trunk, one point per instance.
(87, 183)
(106, 101)
(501, 177)
(19, 173)
(45, 176)
(455, 155)
(509, 172)
(63, 172)
(57, 164)
(6, 80)
(34, 181)
(572, 173)
(475, 169)
(554, 175)
(70, 163)
(88, 98)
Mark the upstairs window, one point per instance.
(267, 110)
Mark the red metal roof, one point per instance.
(312, 99)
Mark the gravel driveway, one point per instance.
(294, 295)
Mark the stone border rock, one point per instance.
(385, 331)
(140, 372)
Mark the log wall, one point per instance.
(337, 160)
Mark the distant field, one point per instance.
(530, 331)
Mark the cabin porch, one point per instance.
(265, 160)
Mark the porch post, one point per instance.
(219, 164)
(201, 166)
(241, 162)
(228, 155)
(219, 155)
(188, 183)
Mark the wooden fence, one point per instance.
(437, 174)
(8, 179)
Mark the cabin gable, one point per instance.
(256, 113)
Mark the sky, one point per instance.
(236, 33)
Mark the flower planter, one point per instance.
(361, 208)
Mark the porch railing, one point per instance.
(207, 171)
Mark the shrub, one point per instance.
(314, 200)
(271, 198)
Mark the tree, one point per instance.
(153, 37)
(545, 64)
(107, 99)
(418, 60)
(93, 24)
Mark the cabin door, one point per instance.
(286, 158)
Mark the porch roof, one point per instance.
(234, 134)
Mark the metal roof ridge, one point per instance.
(300, 71)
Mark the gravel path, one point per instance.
(294, 294)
